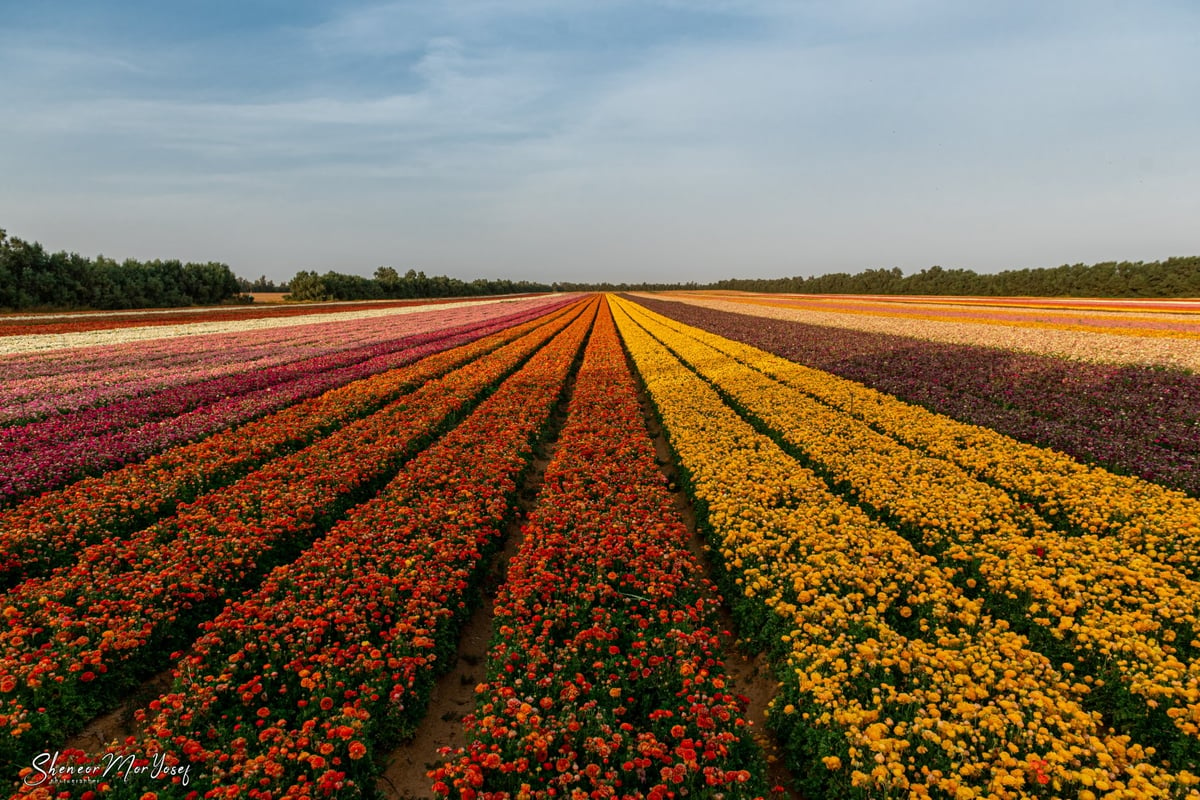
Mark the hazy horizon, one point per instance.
(571, 141)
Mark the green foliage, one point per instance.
(261, 284)
(389, 284)
(31, 278)
(1174, 277)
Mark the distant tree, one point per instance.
(308, 286)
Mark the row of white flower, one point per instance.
(55, 341)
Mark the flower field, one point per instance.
(289, 518)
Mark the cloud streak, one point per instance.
(622, 141)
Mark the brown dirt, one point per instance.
(749, 673)
(119, 723)
(453, 697)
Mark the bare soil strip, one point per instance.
(750, 673)
(453, 696)
(119, 723)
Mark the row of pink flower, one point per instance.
(74, 322)
(58, 381)
(47, 531)
(291, 690)
(44, 455)
(44, 530)
(74, 642)
(606, 674)
(174, 359)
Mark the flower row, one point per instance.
(47, 454)
(1135, 420)
(60, 381)
(1130, 618)
(894, 683)
(1151, 519)
(604, 675)
(290, 690)
(49, 345)
(109, 617)
(77, 322)
(1180, 349)
(47, 530)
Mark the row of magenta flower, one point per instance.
(129, 403)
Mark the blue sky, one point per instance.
(549, 140)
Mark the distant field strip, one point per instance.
(1174, 342)
(31, 343)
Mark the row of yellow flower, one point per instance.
(1163, 523)
(1131, 618)
(893, 678)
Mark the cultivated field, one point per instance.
(724, 546)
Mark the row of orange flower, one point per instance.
(291, 690)
(1132, 620)
(894, 681)
(49, 530)
(604, 676)
(71, 642)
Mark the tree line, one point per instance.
(389, 284)
(31, 278)
(1173, 277)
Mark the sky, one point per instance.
(561, 140)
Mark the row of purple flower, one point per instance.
(1139, 421)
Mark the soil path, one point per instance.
(453, 696)
(750, 673)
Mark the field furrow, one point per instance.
(605, 672)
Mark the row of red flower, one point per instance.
(109, 618)
(46, 454)
(48, 530)
(604, 676)
(289, 690)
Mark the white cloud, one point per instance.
(816, 136)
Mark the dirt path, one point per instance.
(453, 696)
(119, 723)
(750, 673)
